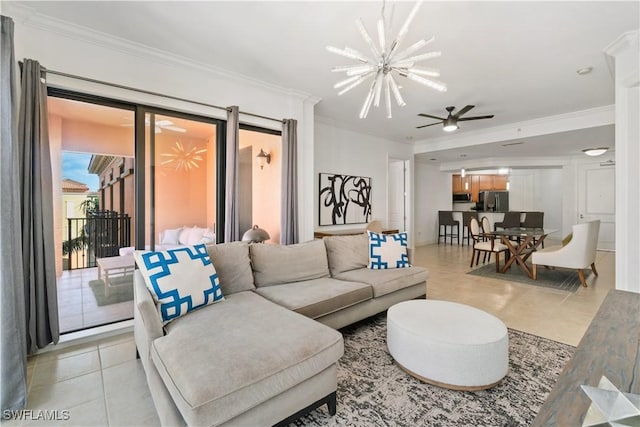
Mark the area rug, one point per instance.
(373, 391)
(558, 278)
(122, 291)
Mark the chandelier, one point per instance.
(183, 158)
(384, 61)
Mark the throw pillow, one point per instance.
(185, 236)
(195, 236)
(171, 236)
(388, 251)
(180, 280)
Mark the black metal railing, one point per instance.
(99, 235)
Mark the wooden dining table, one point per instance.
(527, 240)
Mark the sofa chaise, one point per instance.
(268, 352)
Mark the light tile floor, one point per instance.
(78, 307)
(101, 383)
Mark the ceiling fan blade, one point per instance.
(432, 124)
(475, 118)
(463, 111)
(164, 123)
(431, 117)
(174, 128)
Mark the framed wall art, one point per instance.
(344, 199)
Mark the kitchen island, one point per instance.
(492, 216)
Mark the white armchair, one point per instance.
(578, 254)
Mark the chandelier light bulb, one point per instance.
(385, 60)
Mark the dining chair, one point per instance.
(445, 219)
(533, 220)
(466, 218)
(479, 245)
(579, 253)
(510, 220)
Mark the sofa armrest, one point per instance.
(146, 320)
(410, 255)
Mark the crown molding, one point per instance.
(28, 17)
(624, 41)
(594, 117)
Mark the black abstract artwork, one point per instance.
(344, 199)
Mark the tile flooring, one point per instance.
(78, 307)
(101, 383)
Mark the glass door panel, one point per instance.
(181, 181)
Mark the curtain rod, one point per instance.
(148, 92)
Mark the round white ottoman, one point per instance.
(448, 344)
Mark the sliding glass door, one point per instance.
(181, 180)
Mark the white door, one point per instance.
(397, 195)
(596, 200)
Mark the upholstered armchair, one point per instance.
(578, 254)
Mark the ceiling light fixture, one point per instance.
(584, 70)
(386, 59)
(593, 152)
(463, 173)
(183, 158)
(450, 124)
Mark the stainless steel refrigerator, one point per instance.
(494, 201)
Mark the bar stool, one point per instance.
(445, 218)
(466, 219)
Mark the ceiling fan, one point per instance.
(450, 123)
(159, 125)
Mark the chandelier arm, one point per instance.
(376, 99)
(381, 34)
(345, 82)
(355, 83)
(423, 71)
(360, 70)
(424, 56)
(413, 48)
(387, 94)
(404, 29)
(367, 38)
(396, 91)
(348, 53)
(433, 84)
(368, 100)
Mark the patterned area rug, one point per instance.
(373, 391)
(557, 278)
(122, 291)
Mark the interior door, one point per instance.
(397, 195)
(596, 200)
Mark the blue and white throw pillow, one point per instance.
(388, 251)
(180, 280)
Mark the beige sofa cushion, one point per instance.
(277, 264)
(224, 360)
(317, 297)
(233, 264)
(346, 253)
(384, 282)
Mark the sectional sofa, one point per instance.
(268, 352)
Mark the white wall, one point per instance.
(432, 193)
(85, 53)
(346, 152)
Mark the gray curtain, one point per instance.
(289, 218)
(38, 254)
(231, 214)
(13, 345)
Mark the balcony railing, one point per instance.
(99, 235)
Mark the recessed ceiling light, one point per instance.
(584, 70)
(463, 155)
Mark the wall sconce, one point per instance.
(263, 158)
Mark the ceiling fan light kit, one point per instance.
(593, 152)
(384, 61)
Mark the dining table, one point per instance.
(521, 243)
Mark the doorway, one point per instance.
(398, 194)
(596, 200)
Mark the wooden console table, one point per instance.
(349, 232)
(610, 347)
